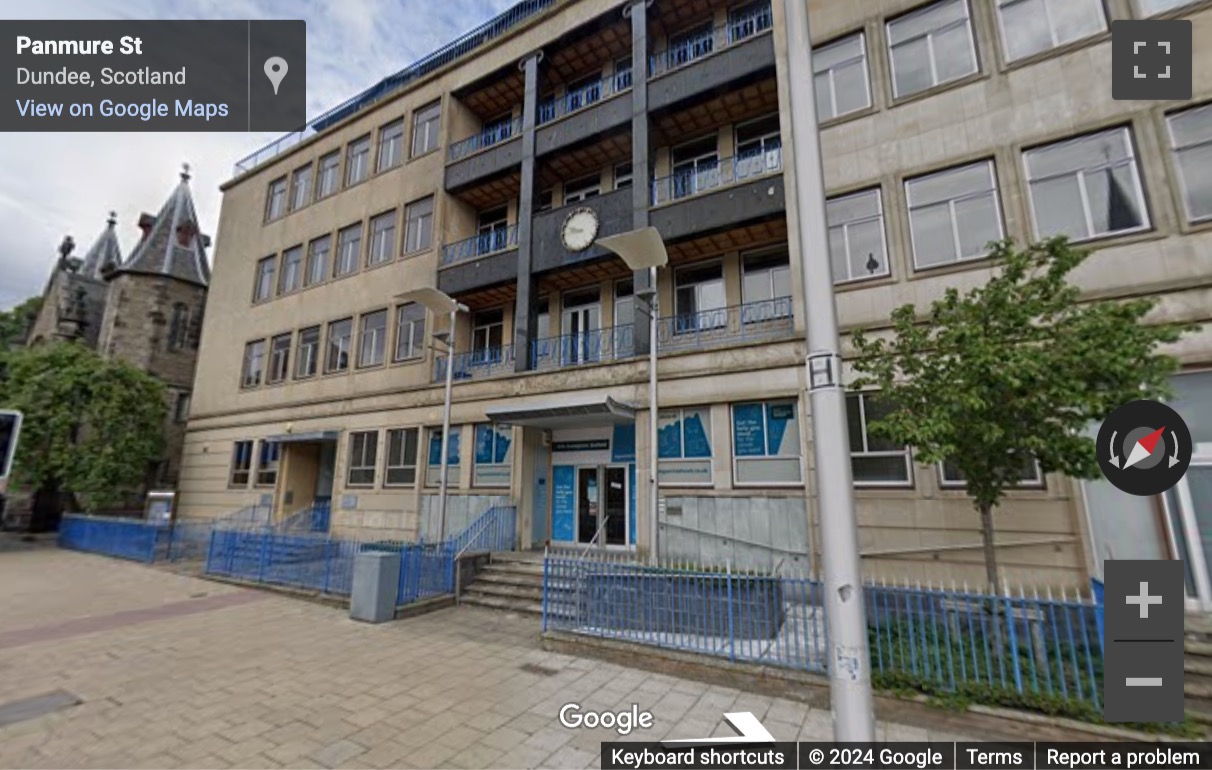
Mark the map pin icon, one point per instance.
(275, 70)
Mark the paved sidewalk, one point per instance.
(174, 671)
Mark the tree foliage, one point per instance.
(1015, 369)
(13, 323)
(91, 426)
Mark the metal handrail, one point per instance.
(489, 136)
(480, 245)
(721, 173)
(742, 27)
(580, 98)
(594, 539)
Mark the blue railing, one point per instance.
(741, 26)
(250, 517)
(490, 242)
(300, 560)
(706, 176)
(493, 530)
(481, 35)
(314, 518)
(124, 538)
(763, 320)
(586, 348)
(935, 638)
(580, 98)
(489, 136)
(425, 571)
(477, 364)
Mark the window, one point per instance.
(340, 334)
(300, 187)
(241, 463)
(349, 249)
(953, 215)
(433, 470)
(178, 329)
(1030, 475)
(840, 74)
(766, 286)
(265, 279)
(363, 454)
(357, 160)
(874, 460)
(326, 178)
(1153, 7)
(1087, 187)
(544, 201)
(1191, 139)
(624, 318)
(425, 124)
(308, 356)
(759, 148)
(181, 408)
(622, 74)
(931, 46)
(382, 238)
(391, 145)
(291, 278)
(690, 45)
(622, 176)
(410, 331)
(857, 248)
(275, 205)
(699, 301)
(418, 220)
(696, 167)
(254, 363)
(487, 332)
(684, 446)
(583, 189)
(401, 458)
(317, 260)
(493, 461)
(1031, 26)
(279, 358)
(267, 463)
(766, 443)
(372, 338)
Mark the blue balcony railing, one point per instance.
(743, 25)
(707, 176)
(490, 242)
(763, 320)
(488, 136)
(477, 364)
(580, 98)
(590, 347)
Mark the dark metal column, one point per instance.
(525, 316)
(641, 159)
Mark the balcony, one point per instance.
(741, 27)
(722, 173)
(476, 365)
(490, 136)
(592, 347)
(580, 98)
(482, 245)
(751, 322)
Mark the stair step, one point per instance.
(509, 591)
(518, 557)
(510, 578)
(514, 569)
(501, 603)
(1197, 648)
(1197, 690)
(1197, 666)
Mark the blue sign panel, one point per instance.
(748, 430)
(698, 443)
(452, 447)
(563, 503)
(780, 415)
(623, 446)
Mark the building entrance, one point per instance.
(602, 504)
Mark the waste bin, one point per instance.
(376, 579)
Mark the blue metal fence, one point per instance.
(309, 561)
(590, 347)
(946, 638)
(425, 571)
(493, 530)
(476, 364)
(124, 538)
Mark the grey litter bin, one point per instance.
(376, 578)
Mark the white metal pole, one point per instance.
(848, 655)
(653, 454)
(450, 350)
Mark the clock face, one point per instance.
(580, 229)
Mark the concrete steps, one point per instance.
(1197, 667)
(511, 581)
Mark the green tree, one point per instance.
(1013, 370)
(92, 426)
(13, 323)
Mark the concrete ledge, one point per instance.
(425, 606)
(297, 593)
(813, 689)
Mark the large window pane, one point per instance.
(1191, 140)
(1031, 26)
(1154, 7)
(953, 214)
(874, 460)
(931, 46)
(840, 69)
(372, 338)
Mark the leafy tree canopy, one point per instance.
(13, 323)
(1014, 369)
(92, 426)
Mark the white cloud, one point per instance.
(66, 183)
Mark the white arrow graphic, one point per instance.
(1174, 458)
(1114, 457)
(745, 723)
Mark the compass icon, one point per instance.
(1144, 448)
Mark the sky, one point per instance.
(59, 184)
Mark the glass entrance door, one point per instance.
(616, 505)
(588, 504)
(581, 321)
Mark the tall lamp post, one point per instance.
(848, 655)
(644, 249)
(439, 303)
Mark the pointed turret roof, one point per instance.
(172, 244)
(105, 254)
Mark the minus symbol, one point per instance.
(1143, 681)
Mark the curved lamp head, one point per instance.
(640, 249)
(434, 299)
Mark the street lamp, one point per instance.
(848, 654)
(644, 249)
(440, 302)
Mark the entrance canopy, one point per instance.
(309, 437)
(566, 413)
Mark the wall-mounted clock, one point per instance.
(580, 229)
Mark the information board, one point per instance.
(563, 503)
